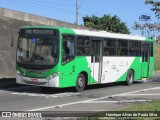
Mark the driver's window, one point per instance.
(68, 48)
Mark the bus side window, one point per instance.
(68, 48)
(109, 47)
(134, 48)
(83, 46)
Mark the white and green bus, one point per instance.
(63, 57)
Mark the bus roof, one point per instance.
(108, 35)
(92, 33)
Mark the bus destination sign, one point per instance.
(39, 32)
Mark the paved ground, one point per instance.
(94, 98)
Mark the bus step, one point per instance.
(144, 78)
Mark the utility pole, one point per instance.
(77, 8)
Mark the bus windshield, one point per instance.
(37, 52)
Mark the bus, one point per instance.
(61, 57)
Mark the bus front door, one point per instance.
(96, 60)
(145, 60)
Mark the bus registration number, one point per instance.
(33, 80)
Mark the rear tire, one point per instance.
(130, 77)
(80, 82)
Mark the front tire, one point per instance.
(130, 77)
(80, 82)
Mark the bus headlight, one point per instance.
(19, 74)
(53, 75)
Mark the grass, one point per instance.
(146, 106)
(139, 109)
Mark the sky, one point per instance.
(65, 10)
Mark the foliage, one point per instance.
(155, 7)
(150, 29)
(158, 38)
(107, 23)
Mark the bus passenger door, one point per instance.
(68, 65)
(96, 60)
(145, 60)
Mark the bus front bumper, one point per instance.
(54, 82)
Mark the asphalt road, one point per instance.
(94, 98)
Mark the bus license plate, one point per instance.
(33, 80)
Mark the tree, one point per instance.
(158, 38)
(150, 29)
(155, 7)
(107, 23)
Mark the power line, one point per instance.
(37, 5)
(43, 5)
(55, 3)
(81, 3)
(46, 6)
(77, 10)
(92, 11)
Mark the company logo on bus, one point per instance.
(144, 17)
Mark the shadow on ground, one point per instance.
(12, 86)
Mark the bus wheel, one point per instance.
(130, 77)
(80, 83)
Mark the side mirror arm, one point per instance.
(12, 41)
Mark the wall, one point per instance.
(35, 19)
(10, 23)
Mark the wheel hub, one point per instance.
(80, 82)
(130, 78)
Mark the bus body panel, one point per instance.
(70, 71)
(115, 67)
(151, 67)
(54, 82)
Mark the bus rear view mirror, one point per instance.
(12, 41)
